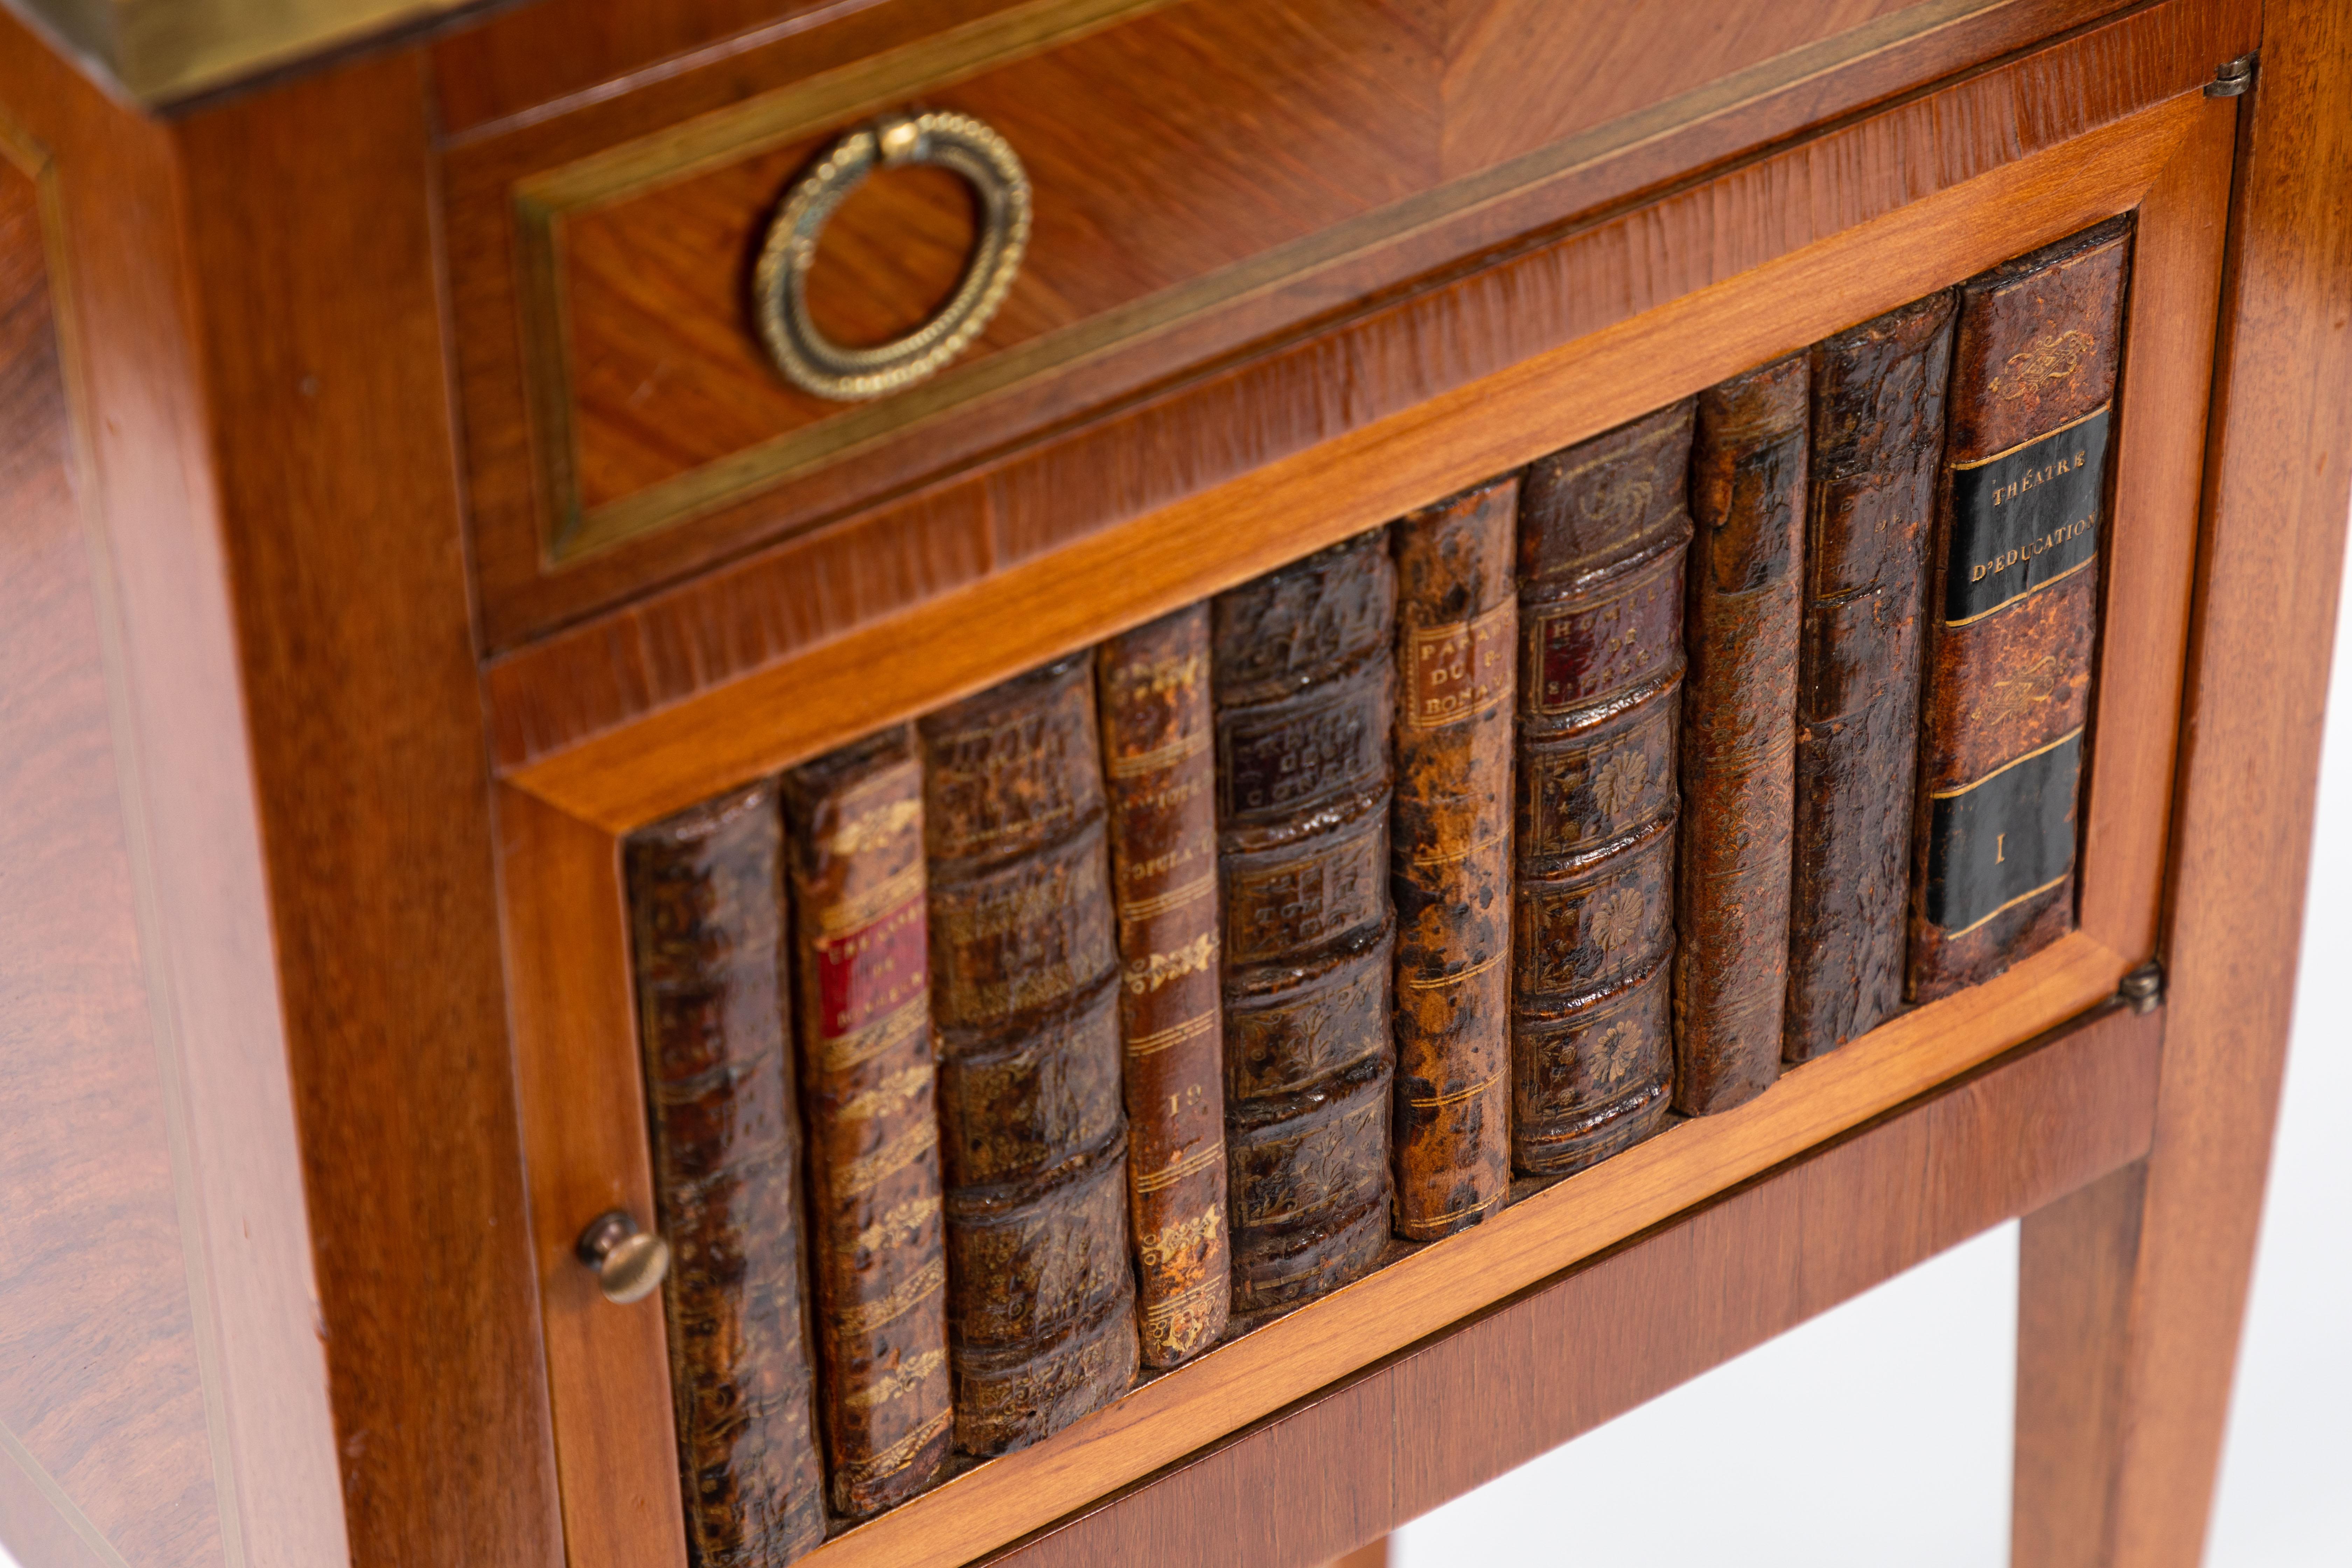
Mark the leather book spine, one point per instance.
(706, 899)
(1604, 526)
(1739, 736)
(1160, 773)
(1040, 1296)
(862, 984)
(2013, 608)
(1877, 445)
(1301, 669)
(1450, 857)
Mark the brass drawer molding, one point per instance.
(957, 142)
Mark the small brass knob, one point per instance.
(630, 1262)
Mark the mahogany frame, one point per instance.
(562, 821)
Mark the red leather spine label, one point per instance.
(868, 1084)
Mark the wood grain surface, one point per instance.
(802, 647)
(1178, 259)
(586, 1147)
(312, 267)
(157, 579)
(103, 1409)
(2141, 1292)
(1554, 1361)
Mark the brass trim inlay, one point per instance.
(806, 108)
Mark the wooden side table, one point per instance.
(396, 507)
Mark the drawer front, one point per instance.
(1205, 174)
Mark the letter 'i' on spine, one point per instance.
(2007, 698)
(1604, 530)
(1877, 445)
(706, 901)
(1160, 772)
(1738, 740)
(1301, 667)
(1041, 1297)
(862, 992)
(1449, 859)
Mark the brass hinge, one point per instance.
(2143, 988)
(2231, 77)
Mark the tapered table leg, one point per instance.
(2132, 1289)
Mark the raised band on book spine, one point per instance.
(1603, 529)
(1041, 1300)
(862, 993)
(1877, 444)
(1159, 774)
(1301, 669)
(706, 896)
(2013, 608)
(1739, 743)
(1450, 857)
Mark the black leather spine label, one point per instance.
(2024, 518)
(2005, 837)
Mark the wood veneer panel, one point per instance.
(311, 264)
(1799, 70)
(813, 643)
(214, 1039)
(529, 61)
(1559, 1359)
(2159, 1351)
(100, 1382)
(585, 1145)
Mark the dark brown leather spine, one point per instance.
(1738, 745)
(1604, 530)
(1301, 667)
(706, 894)
(1159, 771)
(1450, 859)
(2035, 355)
(861, 980)
(1040, 1297)
(1877, 444)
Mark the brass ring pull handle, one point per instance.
(958, 143)
(630, 1262)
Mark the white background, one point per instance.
(1879, 1433)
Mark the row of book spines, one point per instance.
(1460, 651)
(898, 1381)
